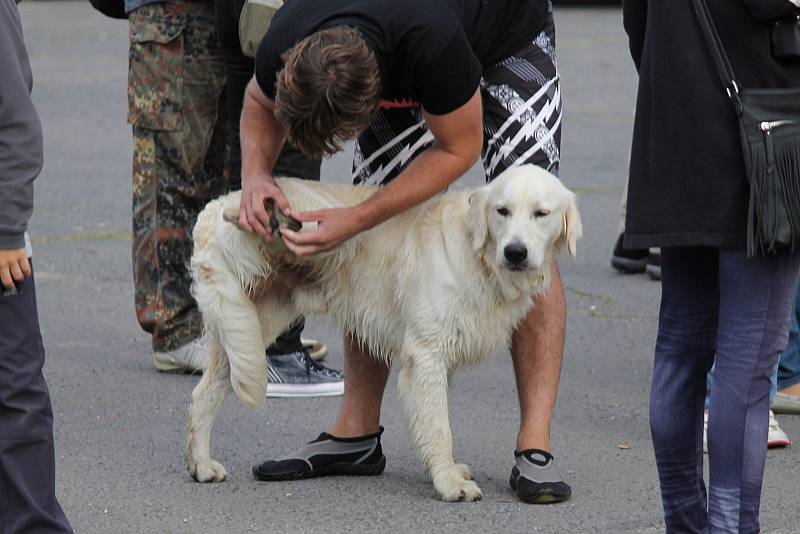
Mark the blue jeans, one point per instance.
(787, 371)
(716, 302)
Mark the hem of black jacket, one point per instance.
(634, 241)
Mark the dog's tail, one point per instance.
(229, 314)
(232, 318)
(249, 378)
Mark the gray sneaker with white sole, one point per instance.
(297, 375)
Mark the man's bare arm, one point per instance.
(458, 140)
(262, 138)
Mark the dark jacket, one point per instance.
(687, 181)
(21, 154)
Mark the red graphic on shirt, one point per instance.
(403, 103)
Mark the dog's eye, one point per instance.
(541, 213)
(502, 210)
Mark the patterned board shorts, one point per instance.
(521, 120)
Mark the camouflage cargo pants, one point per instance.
(175, 90)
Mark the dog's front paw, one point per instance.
(210, 471)
(452, 486)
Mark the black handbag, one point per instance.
(110, 8)
(769, 126)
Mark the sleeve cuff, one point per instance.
(12, 242)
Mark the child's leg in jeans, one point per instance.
(27, 460)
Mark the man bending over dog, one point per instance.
(426, 86)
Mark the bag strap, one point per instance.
(721, 62)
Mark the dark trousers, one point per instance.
(28, 501)
(238, 73)
(716, 305)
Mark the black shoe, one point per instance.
(536, 479)
(654, 265)
(628, 260)
(328, 455)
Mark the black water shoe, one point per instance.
(328, 455)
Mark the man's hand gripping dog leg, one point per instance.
(257, 194)
(278, 221)
(334, 227)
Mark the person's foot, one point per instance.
(536, 479)
(628, 260)
(787, 400)
(775, 438)
(328, 455)
(653, 268)
(297, 375)
(190, 358)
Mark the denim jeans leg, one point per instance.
(789, 362)
(773, 389)
(755, 298)
(787, 370)
(684, 353)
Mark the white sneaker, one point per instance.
(190, 358)
(776, 437)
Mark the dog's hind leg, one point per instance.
(423, 388)
(207, 399)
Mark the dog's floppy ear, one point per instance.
(572, 229)
(478, 223)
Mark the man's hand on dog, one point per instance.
(253, 216)
(334, 227)
(14, 267)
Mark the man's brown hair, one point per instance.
(329, 86)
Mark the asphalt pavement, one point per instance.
(120, 425)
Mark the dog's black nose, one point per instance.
(515, 253)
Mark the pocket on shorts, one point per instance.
(155, 72)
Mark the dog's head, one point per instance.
(521, 219)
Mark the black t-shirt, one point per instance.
(431, 52)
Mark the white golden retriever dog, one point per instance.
(435, 288)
